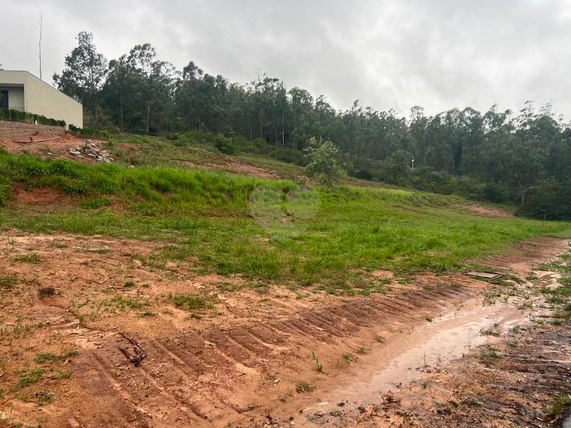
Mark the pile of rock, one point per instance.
(90, 151)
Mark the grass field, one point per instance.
(205, 215)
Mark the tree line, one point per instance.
(500, 156)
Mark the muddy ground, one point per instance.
(248, 356)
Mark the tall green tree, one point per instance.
(84, 74)
(155, 84)
(117, 94)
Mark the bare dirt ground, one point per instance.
(235, 165)
(488, 211)
(252, 356)
(42, 145)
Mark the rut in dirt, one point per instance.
(199, 377)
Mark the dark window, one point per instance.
(3, 99)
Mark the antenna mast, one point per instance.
(41, 24)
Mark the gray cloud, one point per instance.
(389, 54)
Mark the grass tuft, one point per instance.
(189, 301)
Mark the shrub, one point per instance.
(5, 191)
(323, 161)
(89, 132)
(550, 198)
(495, 193)
(22, 116)
(225, 145)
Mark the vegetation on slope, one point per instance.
(497, 156)
(205, 215)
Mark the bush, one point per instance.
(288, 156)
(89, 132)
(495, 193)
(323, 161)
(22, 116)
(550, 198)
(225, 145)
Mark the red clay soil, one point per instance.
(55, 145)
(40, 196)
(242, 360)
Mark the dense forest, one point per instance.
(519, 158)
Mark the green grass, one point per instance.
(30, 379)
(489, 355)
(189, 301)
(51, 357)
(564, 234)
(472, 403)
(560, 296)
(124, 303)
(33, 258)
(304, 387)
(195, 149)
(558, 407)
(44, 357)
(7, 281)
(204, 215)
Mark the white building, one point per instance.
(23, 91)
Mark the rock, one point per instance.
(47, 291)
(90, 150)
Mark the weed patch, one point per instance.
(189, 301)
(304, 387)
(489, 356)
(8, 281)
(30, 379)
(33, 258)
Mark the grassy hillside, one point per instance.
(205, 215)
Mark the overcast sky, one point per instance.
(388, 54)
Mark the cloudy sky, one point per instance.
(387, 53)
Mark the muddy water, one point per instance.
(411, 352)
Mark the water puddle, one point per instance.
(408, 354)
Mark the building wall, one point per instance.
(41, 98)
(15, 97)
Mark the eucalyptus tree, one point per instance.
(118, 94)
(84, 74)
(302, 115)
(155, 83)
